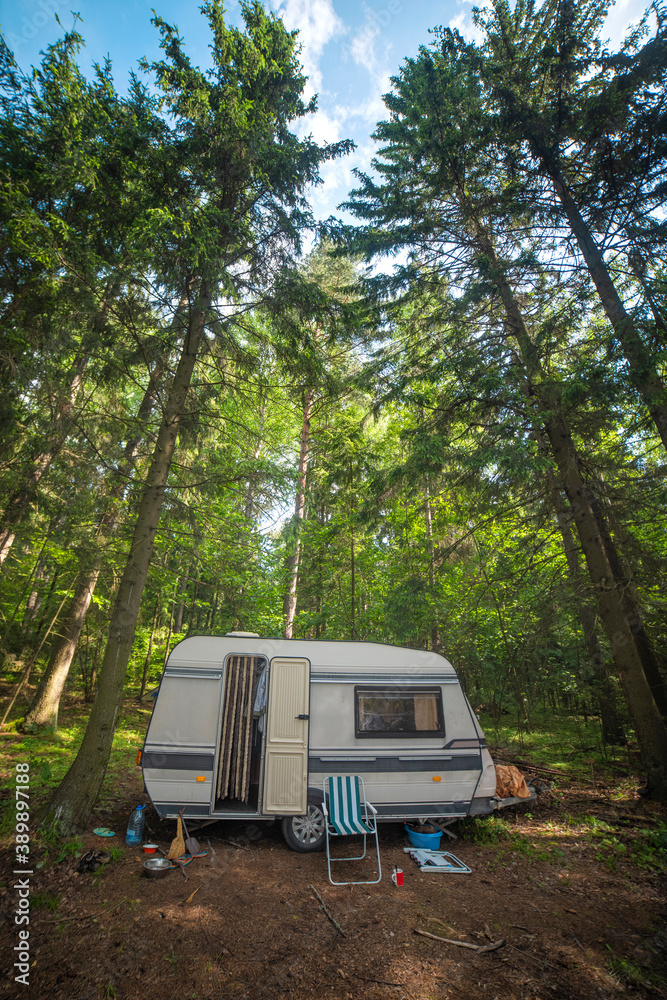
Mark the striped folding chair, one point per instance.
(343, 817)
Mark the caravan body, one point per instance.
(245, 727)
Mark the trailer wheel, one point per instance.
(305, 833)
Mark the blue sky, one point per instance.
(349, 51)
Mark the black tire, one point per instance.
(305, 834)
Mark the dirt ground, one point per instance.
(577, 916)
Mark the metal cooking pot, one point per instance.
(156, 867)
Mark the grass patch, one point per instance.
(632, 974)
(649, 850)
(45, 901)
(50, 755)
(69, 849)
(561, 741)
(502, 837)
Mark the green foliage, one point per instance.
(491, 830)
(505, 839)
(636, 976)
(559, 740)
(69, 849)
(44, 900)
(649, 849)
(431, 518)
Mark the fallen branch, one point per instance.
(534, 767)
(491, 947)
(235, 843)
(382, 982)
(463, 944)
(327, 913)
(436, 937)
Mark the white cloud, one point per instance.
(463, 23)
(317, 23)
(373, 110)
(370, 48)
(362, 45)
(623, 15)
(322, 127)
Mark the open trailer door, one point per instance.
(286, 759)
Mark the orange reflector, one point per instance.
(138, 758)
(200, 777)
(436, 777)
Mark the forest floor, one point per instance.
(574, 888)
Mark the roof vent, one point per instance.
(244, 635)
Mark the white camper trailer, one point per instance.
(247, 728)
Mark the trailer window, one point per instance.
(398, 711)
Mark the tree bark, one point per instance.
(633, 611)
(612, 730)
(149, 652)
(180, 607)
(649, 725)
(72, 803)
(43, 712)
(353, 596)
(428, 516)
(256, 455)
(643, 373)
(289, 603)
(44, 709)
(20, 501)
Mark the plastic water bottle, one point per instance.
(135, 828)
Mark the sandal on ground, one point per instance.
(93, 860)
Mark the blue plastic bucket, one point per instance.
(427, 841)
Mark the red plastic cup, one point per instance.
(397, 876)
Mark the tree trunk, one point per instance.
(35, 569)
(180, 607)
(435, 633)
(90, 681)
(149, 653)
(72, 803)
(33, 658)
(44, 709)
(649, 725)
(30, 627)
(289, 604)
(612, 730)
(34, 602)
(20, 501)
(353, 601)
(193, 609)
(643, 373)
(171, 620)
(633, 611)
(256, 455)
(638, 268)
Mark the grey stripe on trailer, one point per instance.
(173, 809)
(177, 761)
(375, 765)
(432, 809)
(389, 680)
